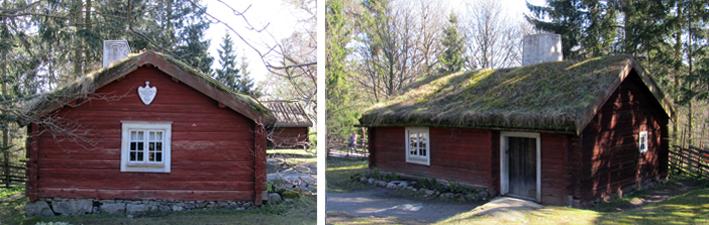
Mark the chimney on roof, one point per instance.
(542, 47)
(114, 50)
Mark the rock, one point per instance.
(447, 195)
(471, 197)
(71, 207)
(362, 179)
(427, 192)
(290, 194)
(403, 184)
(370, 180)
(38, 208)
(410, 188)
(177, 208)
(636, 201)
(274, 198)
(381, 183)
(392, 185)
(136, 208)
(113, 207)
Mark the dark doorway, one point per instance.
(522, 167)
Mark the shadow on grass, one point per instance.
(689, 208)
(340, 171)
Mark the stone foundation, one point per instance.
(57, 206)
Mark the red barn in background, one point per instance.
(291, 127)
(146, 128)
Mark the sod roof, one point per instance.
(88, 84)
(288, 113)
(555, 96)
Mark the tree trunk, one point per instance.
(5, 131)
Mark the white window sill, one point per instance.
(419, 161)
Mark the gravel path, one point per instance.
(379, 202)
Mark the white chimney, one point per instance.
(539, 48)
(114, 50)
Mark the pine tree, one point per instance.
(341, 115)
(452, 59)
(191, 46)
(246, 83)
(228, 74)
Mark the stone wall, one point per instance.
(58, 206)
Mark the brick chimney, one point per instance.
(114, 50)
(539, 48)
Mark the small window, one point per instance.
(642, 139)
(417, 146)
(145, 147)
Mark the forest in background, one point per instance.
(376, 48)
(45, 44)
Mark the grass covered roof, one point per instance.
(556, 96)
(86, 85)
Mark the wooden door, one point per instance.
(522, 164)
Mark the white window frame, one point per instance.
(504, 161)
(416, 159)
(148, 167)
(642, 142)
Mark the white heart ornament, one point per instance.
(147, 93)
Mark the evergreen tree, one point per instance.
(452, 59)
(246, 83)
(341, 115)
(228, 73)
(191, 46)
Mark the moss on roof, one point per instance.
(555, 96)
(87, 84)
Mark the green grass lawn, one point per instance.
(299, 211)
(294, 156)
(339, 171)
(689, 208)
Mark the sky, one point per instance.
(279, 15)
(281, 18)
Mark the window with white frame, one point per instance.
(145, 146)
(642, 139)
(417, 146)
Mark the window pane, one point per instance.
(158, 136)
(139, 135)
(140, 156)
(158, 157)
(151, 157)
(158, 146)
(133, 146)
(151, 135)
(151, 146)
(132, 156)
(140, 146)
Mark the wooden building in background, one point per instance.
(291, 128)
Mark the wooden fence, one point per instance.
(15, 176)
(691, 161)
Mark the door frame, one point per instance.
(504, 161)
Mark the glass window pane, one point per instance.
(158, 135)
(151, 135)
(140, 156)
(158, 146)
(151, 157)
(133, 146)
(158, 157)
(151, 146)
(132, 156)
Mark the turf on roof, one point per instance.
(554, 96)
(86, 85)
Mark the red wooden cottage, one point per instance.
(563, 132)
(291, 127)
(147, 127)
